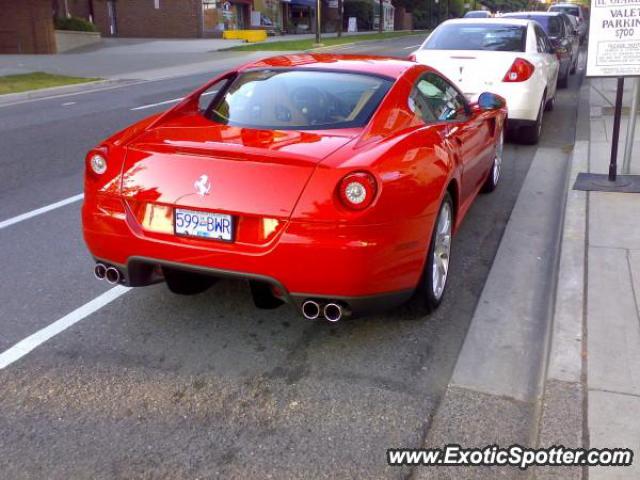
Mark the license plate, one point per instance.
(215, 226)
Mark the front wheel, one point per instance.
(491, 182)
(436, 270)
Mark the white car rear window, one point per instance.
(485, 36)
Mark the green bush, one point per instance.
(75, 24)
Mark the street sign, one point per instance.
(614, 38)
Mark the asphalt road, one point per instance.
(154, 385)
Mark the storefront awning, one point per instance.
(306, 3)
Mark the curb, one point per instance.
(411, 32)
(562, 409)
(64, 90)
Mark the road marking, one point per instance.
(66, 104)
(412, 46)
(166, 102)
(151, 105)
(23, 347)
(40, 211)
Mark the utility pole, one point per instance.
(381, 14)
(318, 22)
(340, 17)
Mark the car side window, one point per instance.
(434, 99)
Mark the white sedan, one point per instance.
(511, 57)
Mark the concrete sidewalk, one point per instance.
(595, 354)
(612, 296)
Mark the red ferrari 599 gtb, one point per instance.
(330, 182)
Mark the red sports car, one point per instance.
(330, 182)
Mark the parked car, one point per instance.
(580, 12)
(331, 182)
(511, 57)
(478, 14)
(563, 37)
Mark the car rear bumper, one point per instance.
(523, 99)
(360, 264)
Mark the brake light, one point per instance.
(520, 71)
(97, 161)
(357, 190)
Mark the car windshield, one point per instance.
(485, 36)
(550, 24)
(299, 99)
(570, 9)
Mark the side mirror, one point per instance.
(491, 101)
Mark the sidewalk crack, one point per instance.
(615, 392)
(602, 95)
(633, 287)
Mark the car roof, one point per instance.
(568, 4)
(482, 21)
(386, 66)
(536, 14)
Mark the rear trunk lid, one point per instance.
(197, 164)
(473, 71)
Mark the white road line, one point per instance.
(166, 102)
(25, 346)
(412, 46)
(66, 104)
(151, 105)
(40, 211)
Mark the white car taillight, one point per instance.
(357, 190)
(520, 71)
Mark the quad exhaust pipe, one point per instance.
(332, 311)
(100, 271)
(111, 274)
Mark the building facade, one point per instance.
(209, 18)
(26, 26)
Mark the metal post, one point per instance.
(318, 22)
(340, 17)
(613, 164)
(631, 127)
(381, 13)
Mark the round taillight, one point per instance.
(357, 190)
(98, 163)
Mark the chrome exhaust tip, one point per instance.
(310, 310)
(333, 312)
(112, 275)
(100, 271)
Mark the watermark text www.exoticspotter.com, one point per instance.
(515, 455)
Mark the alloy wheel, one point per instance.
(441, 251)
(497, 161)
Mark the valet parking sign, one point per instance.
(614, 38)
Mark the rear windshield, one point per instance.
(570, 9)
(552, 25)
(485, 36)
(477, 14)
(298, 99)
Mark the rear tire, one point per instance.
(530, 135)
(187, 283)
(563, 81)
(436, 268)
